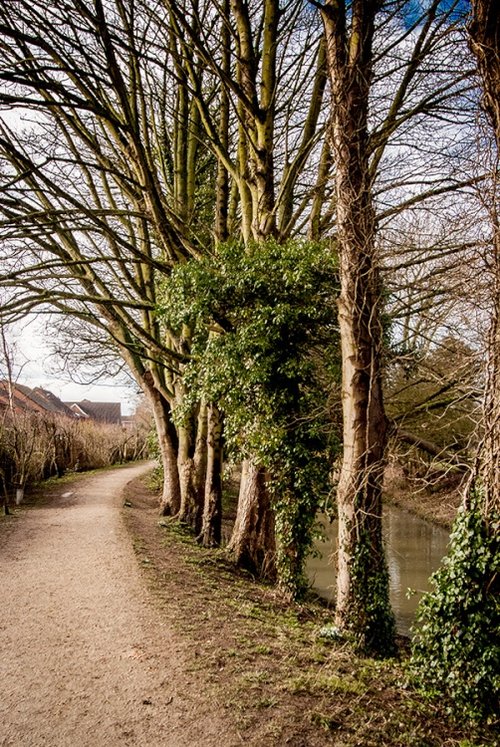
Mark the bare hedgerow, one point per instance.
(34, 447)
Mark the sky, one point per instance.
(32, 355)
(32, 367)
(458, 8)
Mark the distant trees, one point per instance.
(39, 437)
(35, 446)
(434, 404)
(91, 222)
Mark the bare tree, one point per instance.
(362, 587)
(374, 110)
(457, 622)
(153, 131)
(90, 226)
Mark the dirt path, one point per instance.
(85, 658)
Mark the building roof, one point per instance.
(102, 412)
(12, 395)
(40, 400)
(50, 401)
(31, 400)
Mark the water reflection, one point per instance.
(414, 549)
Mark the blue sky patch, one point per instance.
(457, 9)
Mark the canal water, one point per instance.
(414, 549)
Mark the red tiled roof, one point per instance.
(18, 396)
(31, 400)
(41, 400)
(50, 401)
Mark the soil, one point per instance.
(118, 629)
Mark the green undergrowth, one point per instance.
(260, 657)
(456, 648)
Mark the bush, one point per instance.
(456, 648)
(264, 348)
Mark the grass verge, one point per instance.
(266, 663)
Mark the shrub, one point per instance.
(264, 348)
(456, 648)
(34, 446)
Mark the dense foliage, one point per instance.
(456, 648)
(265, 350)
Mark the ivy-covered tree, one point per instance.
(264, 350)
(456, 650)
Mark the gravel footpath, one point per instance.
(85, 658)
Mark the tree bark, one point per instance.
(257, 113)
(210, 535)
(252, 544)
(170, 501)
(362, 606)
(484, 32)
(489, 463)
(189, 511)
(200, 453)
(221, 228)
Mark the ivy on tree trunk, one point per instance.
(362, 607)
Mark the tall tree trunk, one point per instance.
(489, 468)
(210, 535)
(484, 32)
(257, 115)
(190, 508)
(362, 606)
(252, 544)
(200, 452)
(170, 501)
(457, 622)
(221, 228)
(154, 388)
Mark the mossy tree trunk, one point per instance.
(362, 607)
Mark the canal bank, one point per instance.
(436, 500)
